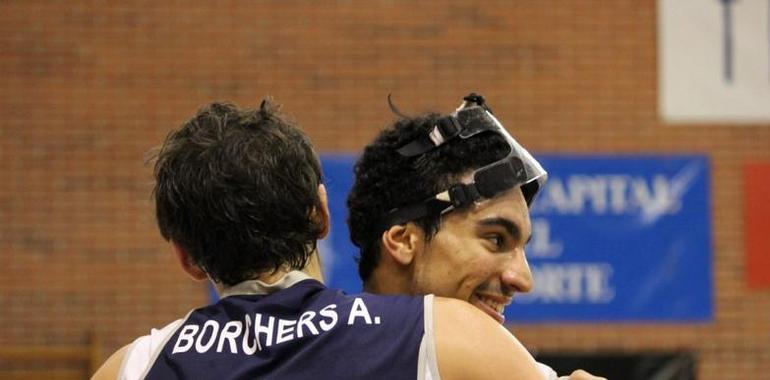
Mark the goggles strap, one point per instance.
(445, 129)
(456, 197)
(407, 214)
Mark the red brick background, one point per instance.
(87, 87)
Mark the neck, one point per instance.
(312, 269)
(386, 280)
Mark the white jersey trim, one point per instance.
(143, 352)
(259, 287)
(427, 365)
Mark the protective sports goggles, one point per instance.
(517, 168)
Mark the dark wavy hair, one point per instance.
(237, 189)
(385, 180)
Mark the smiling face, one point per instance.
(477, 255)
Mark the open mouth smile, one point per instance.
(493, 305)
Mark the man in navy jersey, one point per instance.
(440, 205)
(239, 196)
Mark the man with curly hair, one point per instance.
(239, 196)
(440, 205)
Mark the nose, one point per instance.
(517, 277)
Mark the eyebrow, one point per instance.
(507, 224)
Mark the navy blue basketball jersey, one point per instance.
(295, 329)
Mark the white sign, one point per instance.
(713, 61)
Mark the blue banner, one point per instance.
(621, 238)
(338, 254)
(615, 238)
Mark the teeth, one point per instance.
(497, 306)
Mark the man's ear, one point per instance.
(403, 242)
(185, 261)
(322, 215)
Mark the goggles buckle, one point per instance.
(462, 195)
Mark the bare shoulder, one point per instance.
(111, 367)
(471, 345)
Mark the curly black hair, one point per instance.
(237, 189)
(385, 180)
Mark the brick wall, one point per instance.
(89, 86)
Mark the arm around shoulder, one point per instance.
(111, 368)
(471, 345)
